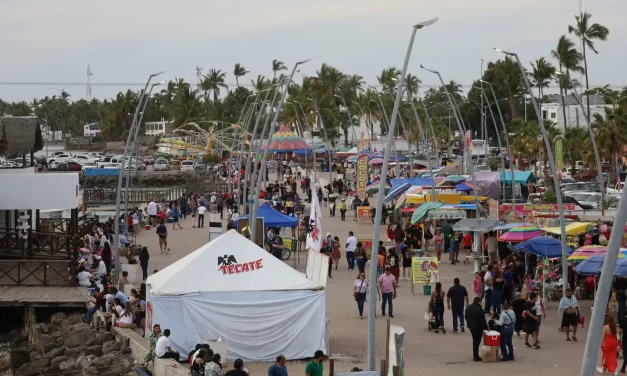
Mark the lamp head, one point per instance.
(505, 52)
(426, 23)
(157, 74)
(307, 60)
(428, 70)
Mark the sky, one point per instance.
(46, 45)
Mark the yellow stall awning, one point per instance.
(572, 229)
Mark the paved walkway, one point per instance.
(426, 353)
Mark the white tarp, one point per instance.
(229, 263)
(317, 267)
(257, 325)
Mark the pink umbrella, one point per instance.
(520, 234)
(376, 161)
(587, 251)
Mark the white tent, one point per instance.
(232, 288)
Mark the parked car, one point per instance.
(200, 166)
(88, 164)
(148, 159)
(161, 164)
(588, 198)
(83, 158)
(136, 166)
(58, 158)
(572, 200)
(187, 165)
(575, 187)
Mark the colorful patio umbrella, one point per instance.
(285, 140)
(374, 187)
(593, 265)
(545, 246)
(585, 252)
(376, 161)
(396, 192)
(520, 234)
(422, 210)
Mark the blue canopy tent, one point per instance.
(520, 177)
(420, 182)
(594, 264)
(303, 152)
(273, 218)
(544, 246)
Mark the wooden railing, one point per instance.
(34, 273)
(98, 196)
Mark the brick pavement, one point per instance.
(426, 353)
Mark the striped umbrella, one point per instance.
(422, 210)
(520, 234)
(396, 192)
(376, 161)
(587, 251)
(374, 187)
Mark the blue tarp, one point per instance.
(420, 182)
(303, 151)
(545, 246)
(463, 187)
(272, 218)
(101, 172)
(521, 177)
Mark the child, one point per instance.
(476, 285)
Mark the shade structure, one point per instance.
(376, 161)
(455, 178)
(273, 218)
(396, 192)
(422, 210)
(594, 264)
(572, 229)
(520, 177)
(520, 234)
(585, 252)
(374, 187)
(464, 187)
(285, 140)
(544, 246)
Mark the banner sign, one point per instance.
(362, 175)
(446, 214)
(363, 213)
(424, 270)
(559, 154)
(519, 211)
(493, 209)
(362, 142)
(366, 245)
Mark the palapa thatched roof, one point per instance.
(19, 135)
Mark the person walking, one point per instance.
(531, 321)
(351, 245)
(518, 306)
(506, 321)
(497, 291)
(387, 286)
(393, 262)
(175, 218)
(360, 257)
(491, 244)
(337, 253)
(360, 289)
(406, 254)
(278, 368)
(315, 367)
(487, 282)
(437, 307)
(609, 347)
(201, 215)
(144, 256)
(475, 321)
(456, 296)
(162, 233)
(569, 311)
(342, 207)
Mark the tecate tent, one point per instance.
(285, 140)
(233, 289)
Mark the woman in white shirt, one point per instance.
(360, 288)
(84, 278)
(127, 317)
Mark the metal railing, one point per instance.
(101, 196)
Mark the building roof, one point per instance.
(19, 135)
(571, 100)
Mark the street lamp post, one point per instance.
(424, 143)
(264, 160)
(435, 141)
(325, 136)
(556, 183)
(350, 118)
(313, 156)
(506, 134)
(460, 128)
(372, 301)
(118, 193)
(242, 146)
(236, 134)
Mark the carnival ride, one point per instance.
(193, 139)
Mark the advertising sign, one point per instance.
(362, 142)
(424, 270)
(559, 154)
(520, 211)
(363, 213)
(361, 175)
(493, 209)
(367, 246)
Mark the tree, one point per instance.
(261, 83)
(412, 85)
(611, 135)
(541, 75)
(389, 78)
(574, 140)
(213, 82)
(277, 66)
(588, 34)
(507, 81)
(569, 59)
(239, 71)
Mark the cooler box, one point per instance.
(147, 227)
(491, 338)
(426, 289)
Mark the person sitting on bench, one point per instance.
(163, 349)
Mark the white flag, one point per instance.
(314, 227)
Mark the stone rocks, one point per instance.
(19, 357)
(109, 347)
(67, 364)
(78, 339)
(57, 319)
(94, 350)
(54, 353)
(75, 351)
(58, 360)
(107, 337)
(32, 368)
(50, 346)
(94, 341)
(45, 338)
(75, 319)
(52, 370)
(83, 361)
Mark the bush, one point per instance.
(210, 158)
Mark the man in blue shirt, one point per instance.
(278, 368)
(508, 276)
(119, 295)
(175, 218)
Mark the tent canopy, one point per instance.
(520, 177)
(544, 246)
(272, 218)
(285, 140)
(229, 263)
(572, 229)
(421, 182)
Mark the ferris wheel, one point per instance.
(194, 136)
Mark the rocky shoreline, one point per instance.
(70, 347)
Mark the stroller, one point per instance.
(432, 323)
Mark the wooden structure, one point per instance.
(107, 196)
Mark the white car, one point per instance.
(88, 164)
(590, 198)
(59, 158)
(111, 166)
(187, 165)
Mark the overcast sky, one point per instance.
(47, 44)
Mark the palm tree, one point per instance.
(455, 90)
(213, 81)
(588, 33)
(388, 79)
(569, 59)
(574, 140)
(412, 85)
(611, 134)
(239, 71)
(542, 73)
(277, 65)
(261, 83)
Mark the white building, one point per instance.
(156, 128)
(552, 110)
(49, 135)
(92, 130)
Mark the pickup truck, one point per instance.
(109, 161)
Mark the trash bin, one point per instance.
(426, 289)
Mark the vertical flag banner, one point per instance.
(559, 154)
(362, 175)
(314, 227)
(362, 142)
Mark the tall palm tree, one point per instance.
(388, 79)
(569, 59)
(412, 85)
(261, 83)
(574, 140)
(588, 33)
(277, 66)
(213, 82)
(542, 73)
(611, 134)
(239, 71)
